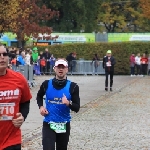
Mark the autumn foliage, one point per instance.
(26, 18)
(145, 5)
(8, 14)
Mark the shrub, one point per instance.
(121, 51)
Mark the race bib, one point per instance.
(143, 62)
(7, 111)
(58, 127)
(108, 64)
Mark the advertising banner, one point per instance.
(123, 37)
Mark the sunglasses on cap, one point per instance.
(4, 54)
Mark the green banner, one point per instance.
(123, 37)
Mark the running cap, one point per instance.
(61, 62)
(109, 52)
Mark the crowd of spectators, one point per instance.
(43, 62)
(140, 65)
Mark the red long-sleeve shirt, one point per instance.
(144, 60)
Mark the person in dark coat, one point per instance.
(108, 64)
(70, 58)
(47, 56)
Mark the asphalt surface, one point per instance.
(106, 120)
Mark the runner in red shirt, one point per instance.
(14, 104)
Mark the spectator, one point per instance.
(31, 58)
(43, 65)
(37, 67)
(52, 63)
(138, 64)
(13, 60)
(27, 58)
(109, 62)
(13, 64)
(47, 56)
(35, 54)
(70, 58)
(74, 55)
(17, 58)
(12, 54)
(144, 62)
(21, 59)
(132, 64)
(41, 54)
(34, 58)
(96, 63)
(149, 65)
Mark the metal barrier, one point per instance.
(27, 72)
(85, 68)
(80, 67)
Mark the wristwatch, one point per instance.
(70, 102)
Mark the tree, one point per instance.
(32, 20)
(90, 22)
(71, 15)
(145, 5)
(121, 16)
(8, 14)
(29, 20)
(75, 15)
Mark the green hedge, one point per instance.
(121, 51)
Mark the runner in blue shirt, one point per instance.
(62, 96)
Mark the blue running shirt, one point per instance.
(57, 112)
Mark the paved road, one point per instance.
(117, 120)
(91, 88)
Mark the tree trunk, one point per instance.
(21, 44)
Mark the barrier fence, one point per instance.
(78, 67)
(27, 72)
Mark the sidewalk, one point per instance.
(115, 120)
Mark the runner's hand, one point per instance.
(64, 100)
(18, 121)
(43, 111)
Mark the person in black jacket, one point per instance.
(70, 58)
(47, 56)
(108, 64)
(62, 96)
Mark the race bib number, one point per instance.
(108, 64)
(58, 127)
(7, 111)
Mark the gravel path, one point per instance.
(116, 120)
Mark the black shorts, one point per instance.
(50, 137)
(13, 147)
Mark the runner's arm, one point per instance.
(113, 61)
(75, 106)
(41, 93)
(24, 104)
(103, 63)
(24, 108)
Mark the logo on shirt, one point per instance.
(56, 100)
(9, 94)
